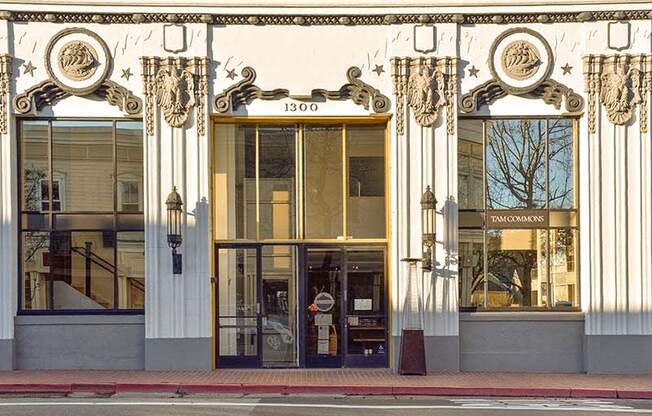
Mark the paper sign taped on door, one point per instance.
(362, 304)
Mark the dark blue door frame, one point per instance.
(238, 361)
(343, 359)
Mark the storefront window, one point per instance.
(299, 181)
(79, 252)
(517, 245)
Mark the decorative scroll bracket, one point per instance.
(550, 91)
(427, 85)
(520, 62)
(83, 70)
(245, 91)
(177, 85)
(47, 93)
(619, 82)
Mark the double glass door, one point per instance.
(300, 305)
(345, 318)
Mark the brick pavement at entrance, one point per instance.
(341, 381)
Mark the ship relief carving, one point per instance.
(425, 85)
(520, 60)
(78, 62)
(619, 83)
(520, 63)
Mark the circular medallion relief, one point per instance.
(77, 60)
(520, 59)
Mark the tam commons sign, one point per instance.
(518, 219)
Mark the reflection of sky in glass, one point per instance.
(516, 161)
(560, 149)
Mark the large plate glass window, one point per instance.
(299, 181)
(82, 242)
(518, 213)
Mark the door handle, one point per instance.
(257, 307)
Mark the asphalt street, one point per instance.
(225, 405)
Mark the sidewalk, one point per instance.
(341, 381)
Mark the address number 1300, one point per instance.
(294, 107)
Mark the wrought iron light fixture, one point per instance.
(428, 206)
(175, 204)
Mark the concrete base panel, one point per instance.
(522, 342)
(80, 342)
(178, 354)
(618, 354)
(442, 353)
(7, 361)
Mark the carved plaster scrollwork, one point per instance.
(245, 91)
(521, 67)
(550, 91)
(176, 85)
(5, 90)
(619, 83)
(47, 93)
(426, 85)
(83, 69)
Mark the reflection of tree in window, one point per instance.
(516, 160)
(513, 263)
(560, 168)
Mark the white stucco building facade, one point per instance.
(301, 138)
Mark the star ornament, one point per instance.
(126, 73)
(28, 68)
(231, 74)
(567, 69)
(378, 70)
(473, 71)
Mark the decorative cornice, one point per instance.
(322, 20)
(5, 90)
(619, 82)
(47, 93)
(245, 91)
(177, 85)
(425, 85)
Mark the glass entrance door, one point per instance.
(345, 307)
(238, 310)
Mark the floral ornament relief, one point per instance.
(520, 60)
(175, 93)
(77, 60)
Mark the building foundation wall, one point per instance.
(177, 354)
(522, 342)
(618, 354)
(442, 353)
(7, 357)
(79, 342)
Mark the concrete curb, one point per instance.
(189, 389)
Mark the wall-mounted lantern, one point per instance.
(428, 206)
(175, 204)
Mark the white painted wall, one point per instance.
(615, 165)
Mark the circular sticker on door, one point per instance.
(324, 302)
